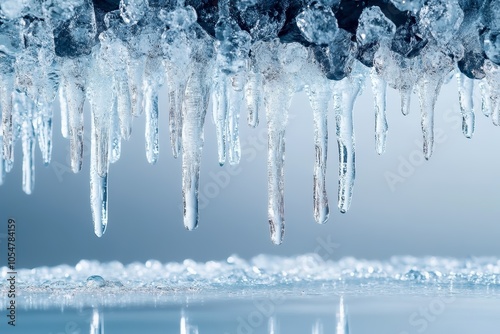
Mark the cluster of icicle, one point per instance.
(258, 54)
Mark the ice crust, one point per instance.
(118, 54)
(91, 283)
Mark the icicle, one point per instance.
(176, 90)
(220, 107)
(281, 63)
(428, 87)
(124, 106)
(465, 93)
(75, 72)
(24, 108)
(342, 320)
(232, 45)
(485, 98)
(152, 81)
(6, 89)
(319, 96)
(115, 139)
(346, 92)
(277, 100)
(177, 52)
(236, 94)
(63, 106)
(98, 186)
(253, 96)
(43, 131)
(379, 87)
(101, 104)
(493, 90)
(135, 70)
(2, 162)
(405, 100)
(193, 118)
(428, 92)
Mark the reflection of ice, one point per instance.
(342, 321)
(272, 326)
(317, 327)
(97, 322)
(185, 326)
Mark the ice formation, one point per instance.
(91, 283)
(116, 54)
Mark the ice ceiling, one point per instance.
(233, 54)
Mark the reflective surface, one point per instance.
(297, 314)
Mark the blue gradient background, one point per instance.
(448, 206)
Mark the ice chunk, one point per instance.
(408, 5)
(441, 19)
(12, 9)
(77, 36)
(492, 46)
(133, 10)
(374, 26)
(317, 24)
(336, 59)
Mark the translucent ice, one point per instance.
(118, 56)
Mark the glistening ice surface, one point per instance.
(232, 54)
(114, 284)
(271, 295)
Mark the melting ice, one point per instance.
(234, 54)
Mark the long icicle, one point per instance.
(346, 92)
(63, 106)
(102, 108)
(235, 92)
(220, 114)
(277, 100)
(194, 111)
(98, 187)
(24, 108)
(319, 96)
(152, 82)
